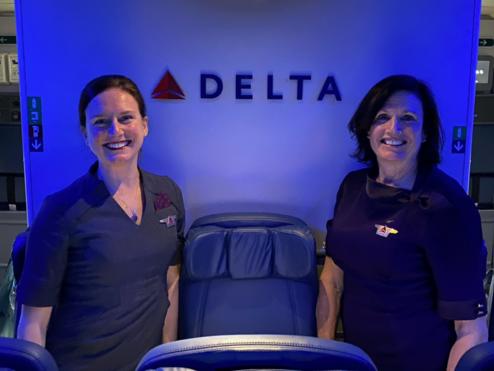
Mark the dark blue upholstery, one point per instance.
(479, 358)
(18, 253)
(491, 325)
(257, 351)
(248, 273)
(18, 256)
(23, 355)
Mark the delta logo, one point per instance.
(211, 87)
(168, 88)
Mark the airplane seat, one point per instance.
(22, 355)
(248, 273)
(490, 311)
(478, 358)
(18, 255)
(241, 352)
(489, 289)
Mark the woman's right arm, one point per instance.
(33, 324)
(328, 301)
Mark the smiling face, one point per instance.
(115, 129)
(396, 133)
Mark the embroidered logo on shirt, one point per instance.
(161, 201)
(170, 221)
(384, 230)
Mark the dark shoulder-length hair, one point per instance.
(361, 122)
(105, 82)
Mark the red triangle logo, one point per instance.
(167, 88)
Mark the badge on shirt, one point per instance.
(170, 220)
(384, 230)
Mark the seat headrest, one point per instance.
(249, 252)
(236, 220)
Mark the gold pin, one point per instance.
(384, 230)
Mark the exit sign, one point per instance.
(486, 42)
(7, 39)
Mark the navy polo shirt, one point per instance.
(104, 275)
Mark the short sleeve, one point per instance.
(46, 257)
(180, 225)
(457, 256)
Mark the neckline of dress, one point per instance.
(383, 192)
(102, 190)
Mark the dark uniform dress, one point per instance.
(104, 275)
(413, 262)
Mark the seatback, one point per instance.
(18, 354)
(235, 352)
(489, 288)
(248, 273)
(478, 358)
(19, 253)
(18, 256)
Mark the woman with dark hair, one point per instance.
(404, 249)
(100, 282)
